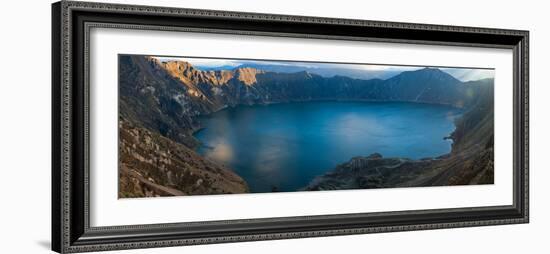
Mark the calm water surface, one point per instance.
(287, 145)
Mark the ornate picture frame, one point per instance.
(71, 196)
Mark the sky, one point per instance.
(380, 71)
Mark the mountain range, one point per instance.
(327, 72)
(167, 96)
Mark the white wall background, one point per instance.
(25, 125)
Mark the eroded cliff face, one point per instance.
(190, 76)
(248, 75)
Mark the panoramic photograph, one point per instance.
(204, 126)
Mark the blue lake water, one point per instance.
(287, 145)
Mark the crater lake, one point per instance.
(282, 147)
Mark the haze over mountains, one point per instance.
(165, 97)
(358, 71)
(322, 71)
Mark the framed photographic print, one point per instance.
(181, 126)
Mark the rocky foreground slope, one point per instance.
(153, 165)
(161, 100)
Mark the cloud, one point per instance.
(207, 62)
(469, 74)
(392, 68)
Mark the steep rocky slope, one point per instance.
(152, 165)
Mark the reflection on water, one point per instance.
(220, 151)
(284, 146)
